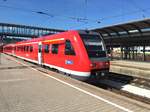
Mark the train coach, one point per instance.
(80, 54)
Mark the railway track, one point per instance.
(137, 81)
(116, 82)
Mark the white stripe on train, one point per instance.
(72, 72)
(77, 73)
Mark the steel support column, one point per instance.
(144, 57)
(121, 52)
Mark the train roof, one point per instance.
(47, 36)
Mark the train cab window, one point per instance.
(31, 48)
(46, 48)
(94, 45)
(69, 48)
(55, 48)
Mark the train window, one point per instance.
(46, 49)
(69, 48)
(27, 48)
(55, 48)
(24, 48)
(40, 48)
(31, 48)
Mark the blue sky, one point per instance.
(68, 14)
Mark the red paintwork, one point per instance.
(81, 61)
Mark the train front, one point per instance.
(96, 50)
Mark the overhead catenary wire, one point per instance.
(124, 14)
(117, 16)
(84, 20)
(139, 10)
(77, 19)
(139, 7)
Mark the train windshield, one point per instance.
(94, 46)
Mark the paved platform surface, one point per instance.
(132, 68)
(23, 88)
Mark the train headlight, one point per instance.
(107, 63)
(103, 74)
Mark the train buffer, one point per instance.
(27, 87)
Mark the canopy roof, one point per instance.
(136, 32)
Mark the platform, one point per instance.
(131, 68)
(25, 87)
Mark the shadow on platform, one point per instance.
(16, 67)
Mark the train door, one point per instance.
(40, 53)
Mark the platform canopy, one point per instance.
(135, 33)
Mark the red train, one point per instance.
(80, 54)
